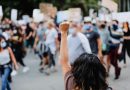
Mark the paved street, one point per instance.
(33, 80)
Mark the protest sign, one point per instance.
(48, 9)
(122, 16)
(110, 4)
(37, 15)
(14, 14)
(1, 11)
(62, 16)
(75, 14)
(45, 7)
(26, 18)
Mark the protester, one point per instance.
(94, 39)
(126, 43)
(95, 27)
(105, 36)
(114, 43)
(40, 47)
(29, 36)
(17, 45)
(77, 43)
(52, 43)
(86, 73)
(6, 55)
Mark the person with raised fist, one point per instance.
(77, 43)
(86, 73)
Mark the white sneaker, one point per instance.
(14, 73)
(53, 69)
(25, 69)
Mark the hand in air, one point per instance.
(64, 27)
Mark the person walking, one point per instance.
(126, 42)
(6, 55)
(114, 43)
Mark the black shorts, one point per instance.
(105, 52)
(45, 54)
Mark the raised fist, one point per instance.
(64, 27)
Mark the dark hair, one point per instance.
(117, 22)
(102, 26)
(89, 73)
(2, 37)
(127, 25)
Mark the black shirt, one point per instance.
(92, 37)
(28, 31)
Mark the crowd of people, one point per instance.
(88, 49)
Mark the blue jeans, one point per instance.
(5, 82)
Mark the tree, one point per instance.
(27, 6)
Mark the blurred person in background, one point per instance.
(6, 57)
(126, 43)
(114, 43)
(95, 27)
(39, 45)
(52, 43)
(1, 28)
(17, 45)
(94, 39)
(29, 36)
(77, 43)
(105, 35)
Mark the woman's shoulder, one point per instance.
(67, 75)
(69, 81)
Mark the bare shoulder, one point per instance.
(9, 49)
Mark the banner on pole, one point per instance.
(72, 14)
(37, 15)
(75, 14)
(1, 11)
(14, 14)
(62, 16)
(48, 9)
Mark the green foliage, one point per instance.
(116, 1)
(26, 6)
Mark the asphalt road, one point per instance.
(34, 80)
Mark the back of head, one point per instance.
(89, 73)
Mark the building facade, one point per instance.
(124, 5)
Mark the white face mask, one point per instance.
(72, 31)
(3, 44)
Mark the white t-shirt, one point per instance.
(4, 57)
(77, 45)
(51, 35)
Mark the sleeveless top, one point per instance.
(69, 81)
(4, 57)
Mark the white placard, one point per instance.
(75, 15)
(91, 12)
(1, 11)
(14, 14)
(26, 18)
(110, 4)
(35, 12)
(87, 19)
(37, 15)
(121, 17)
(62, 16)
(102, 17)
